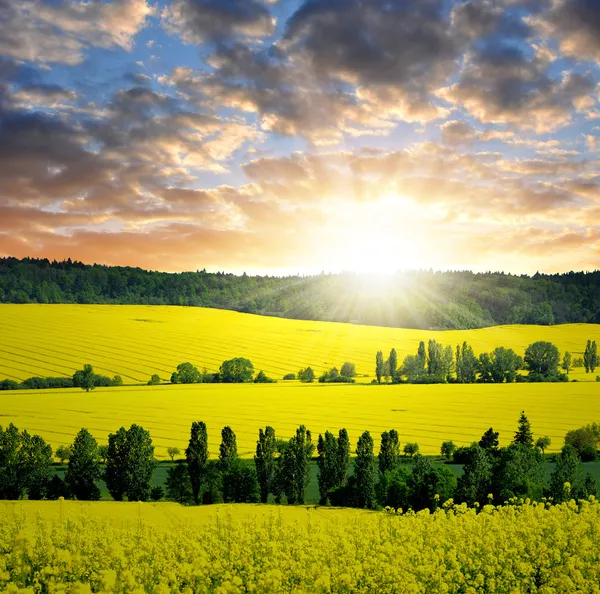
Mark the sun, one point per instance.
(376, 238)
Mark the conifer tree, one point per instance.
(197, 455)
(84, 468)
(365, 471)
(264, 461)
(489, 440)
(524, 434)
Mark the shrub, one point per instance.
(289, 376)
(261, 378)
(154, 380)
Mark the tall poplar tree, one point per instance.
(393, 363)
(196, 455)
(228, 449)
(365, 471)
(327, 464)
(379, 366)
(343, 457)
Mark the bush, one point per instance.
(588, 454)
(9, 385)
(306, 375)
(410, 449)
(289, 376)
(261, 378)
(348, 369)
(154, 380)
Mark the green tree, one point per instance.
(117, 461)
(542, 443)
(519, 472)
(85, 378)
(343, 457)
(84, 468)
(227, 450)
(447, 450)
(393, 363)
(466, 364)
(236, 371)
(348, 370)
(524, 434)
(173, 452)
(568, 469)
(422, 355)
(505, 364)
(293, 467)
(306, 375)
(327, 449)
(476, 481)
(542, 357)
(365, 471)
(262, 378)
(489, 441)
(410, 449)
(186, 374)
(593, 357)
(141, 463)
(392, 489)
(584, 439)
(413, 368)
(567, 364)
(427, 487)
(240, 483)
(63, 452)
(155, 380)
(37, 464)
(379, 366)
(178, 484)
(196, 455)
(435, 366)
(264, 461)
(447, 364)
(389, 451)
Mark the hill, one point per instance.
(419, 299)
(138, 341)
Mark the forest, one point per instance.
(415, 299)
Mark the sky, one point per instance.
(299, 136)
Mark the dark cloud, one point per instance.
(576, 24)
(201, 21)
(501, 83)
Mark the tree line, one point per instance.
(436, 363)
(418, 299)
(282, 469)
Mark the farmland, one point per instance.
(137, 341)
(425, 414)
(122, 547)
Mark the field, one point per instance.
(425, 414)
(138, 341)
(74, 547)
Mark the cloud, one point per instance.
(60, 32)
(576, 25)
(501, 84)
(201, 21)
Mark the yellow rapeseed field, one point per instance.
(78, 548)
(425, 414)
(136, 341)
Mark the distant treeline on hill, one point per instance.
(419, 299)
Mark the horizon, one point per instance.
(297, 136)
